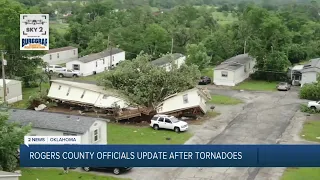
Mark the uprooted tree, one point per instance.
(11, 136)
(146, 84)
(311, 91)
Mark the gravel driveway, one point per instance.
(264, 118)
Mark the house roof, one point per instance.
(9, 82)
(61, 49)
(52, 121)
(167, 59)
(312, 66)
(95, 56)
(297, 68)
(91, 87)
(234, 62)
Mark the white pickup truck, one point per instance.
(68, 73)
(53, 68)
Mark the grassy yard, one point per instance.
(222, 19)
(54, 174)
(127, 134)
(208, 72)
(310, 132)
(90, 78)
(252, 85)
(27, 92)
(225, 100)
(60, 27)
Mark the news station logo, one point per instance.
(34, 32)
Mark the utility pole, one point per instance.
(171, 45)
(3, 77)
(244, 48)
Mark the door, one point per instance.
(68, 73)
(168, 124)
(161, 122)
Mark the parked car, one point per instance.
(160, 121)
(115, 170)
(314, 105)
(68, 73)
(53, 68)
(204, 80)
(283, 86)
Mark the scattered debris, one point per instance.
(40, 107)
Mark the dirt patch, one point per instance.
(313, 117)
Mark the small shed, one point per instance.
(13, 90)
(9, 175)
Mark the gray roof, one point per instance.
(96, 56)
(52, 121)
(167, 59)
(312, 66)
(234, 62)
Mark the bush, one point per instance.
(306, 109)
(36, 100)
(310, 91)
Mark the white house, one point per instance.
(60, 55)
(192, 99)
(85, 94)
(167, 61)
(295, 74)
(98, 62)
(310, 71)
(91, 130)
(13, 90)
(9, 175)
(234, 70)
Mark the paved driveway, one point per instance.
(262, 119)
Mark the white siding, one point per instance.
(98, 65)
(88, 137)
(61, 57)
(308, 77)
(14, 92)
(178, 62)
(224, 81)
(110, 101)
(177, 102)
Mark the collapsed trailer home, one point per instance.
(188, 103)
(94, 98)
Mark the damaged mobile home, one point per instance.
(188, 103)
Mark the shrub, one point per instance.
(306, 109)
(310, 91)
(36, 100)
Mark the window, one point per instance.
(57, 55)
(83, 94)
(249, 65)
(50, 66)
(76, 67)
(103, 61)
(168, 121)
(50, 57)
(224, 74)
(7, 90)
(69, 70)
(74, 52)
(96, 63)
(68, 92)
(185, 99)
(105, 97)
(59, 88)
(245, 68)
(154, 118)
(59, 67)
(96, 135)
(112, 58)
(161, 119)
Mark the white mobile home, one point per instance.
(9, 175)
(310, 72)
(193, 99)
(13, 90)
(98, 62)
(91, 130)
(85, 94)
(60, 55)
(234, 70)
(167, 61)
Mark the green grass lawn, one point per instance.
(27, 92)
(60, 27)
(222, 19)
(311, 130)
(90, 78)
(57, 174)
(127, 134)
(252, 85)
(225, 100)
(208, 72)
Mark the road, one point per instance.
(264, 118)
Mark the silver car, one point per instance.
(283, 86)
(68, 73)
